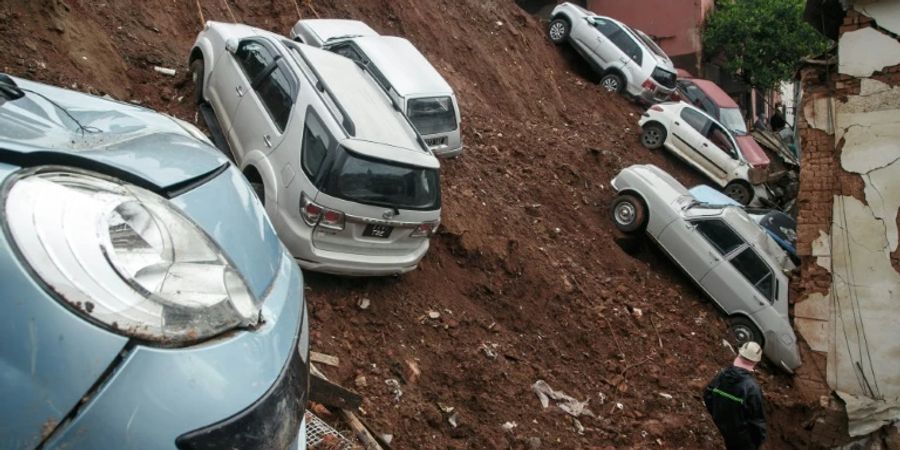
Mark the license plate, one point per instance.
(378, 231)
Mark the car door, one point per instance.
(699, 245)
(625, 50)
(743, 283)
(689, 133)
(264, 112)
(602, 44)
(231, 79)
(720, 150)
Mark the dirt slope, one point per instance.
(526, 274)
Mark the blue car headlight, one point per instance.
(125, 257)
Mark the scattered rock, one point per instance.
(509, 426)
(534, 443)
(411, 371)
(360, 381)
(434, 315)
(665, 396)
(363, 303)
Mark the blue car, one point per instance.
(148, 303)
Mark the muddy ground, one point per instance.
(527, 274)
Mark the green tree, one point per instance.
(761, 41)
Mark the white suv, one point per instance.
(348, 183)
(402, 71)
(627, 59)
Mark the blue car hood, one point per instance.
(49, 121)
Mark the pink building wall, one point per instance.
(675, 24)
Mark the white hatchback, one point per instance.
(704, 143)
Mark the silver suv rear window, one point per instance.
(383, 183)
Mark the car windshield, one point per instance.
(383, 183)
(432, 115)
(732, 119)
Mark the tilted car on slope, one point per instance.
(626, 59)
(403, 72)
(704, 143)
(709, 97)
(147, 300)
(721, 248)
(348, 183)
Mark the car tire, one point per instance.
(629, 214)
(197, 70)
(558, 30)
(742, 330)
(653, 136)
(740, 191)
(260, 190)
(612, 82)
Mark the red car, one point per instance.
(709, 97)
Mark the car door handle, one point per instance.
(268, 140)
(714, 256)
(704, 144)
(240, 90)
(677, 123)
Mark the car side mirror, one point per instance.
(589, 20)
(231, 45)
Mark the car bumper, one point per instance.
(361, 265)
(298, 238)
(447, 153)
(248, 387)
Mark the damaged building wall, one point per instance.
(849, 288)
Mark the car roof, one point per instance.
(403, 65)
(331, 28)
(364, 101)
(714, 92)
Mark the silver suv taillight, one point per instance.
(426, 229)
(315, 214)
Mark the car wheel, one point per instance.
(741, 330)
(653, 136)
(558, 31)
(197, 78)
(629, 214)
(612, 82)
(740, 191)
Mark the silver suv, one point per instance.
(402, 71)
(349, 185)
(627, 59)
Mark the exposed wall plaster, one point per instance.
(866, 51)
(869, 123)
(821, 250)
(885, 12)
(863, 356)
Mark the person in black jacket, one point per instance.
(734, 400)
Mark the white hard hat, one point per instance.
(751, 351)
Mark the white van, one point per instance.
(414, 85)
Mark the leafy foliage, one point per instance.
(762, 41)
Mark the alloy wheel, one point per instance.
(557, 31)
(651, 137)
(611, 84)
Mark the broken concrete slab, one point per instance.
(885, 13)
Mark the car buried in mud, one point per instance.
(148, 301)
(728, 255)
(350, 186)
(404, 73)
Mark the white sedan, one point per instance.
(704, 143)
(721, 248)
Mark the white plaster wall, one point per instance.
(865, 51)
(864, 358)
(885, 12)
